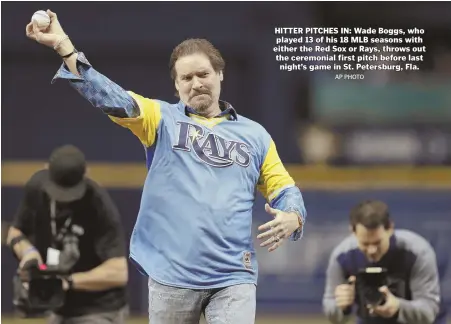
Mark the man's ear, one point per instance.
(221, 76)
(176, 85)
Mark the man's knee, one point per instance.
(234, 304)
(173, 305)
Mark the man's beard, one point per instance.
(201, 105)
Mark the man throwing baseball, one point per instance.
(192, 237)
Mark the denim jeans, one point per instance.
(229, 305)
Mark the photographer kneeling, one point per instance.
(391, 275)
(70, 245)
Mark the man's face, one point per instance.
(374, 243)
(197, 82)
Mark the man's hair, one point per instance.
(196, 45)
(371, 214)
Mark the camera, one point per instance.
(368, 282)
(42, 291)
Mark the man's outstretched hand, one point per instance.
(278, 229)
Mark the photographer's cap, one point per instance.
(67, 167)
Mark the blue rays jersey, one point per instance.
(194, 224)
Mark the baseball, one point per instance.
(41, 19)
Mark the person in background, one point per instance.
(63, 210)
(412, 293)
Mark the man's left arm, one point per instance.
(425, 286)
(110, 247)
(282, 194)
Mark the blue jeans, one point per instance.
(229, 305)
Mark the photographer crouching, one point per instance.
(70, 245)
(390, 275)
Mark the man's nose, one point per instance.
(197, 84)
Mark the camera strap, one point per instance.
(57, 236)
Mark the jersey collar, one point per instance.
(226, 108)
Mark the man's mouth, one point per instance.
(200, 94)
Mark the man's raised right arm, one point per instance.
(141, 115)
(100, 91)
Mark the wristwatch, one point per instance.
(70, 282)
(16, 240)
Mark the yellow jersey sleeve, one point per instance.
(273, 175)
(144, 126)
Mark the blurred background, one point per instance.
(385, 137)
